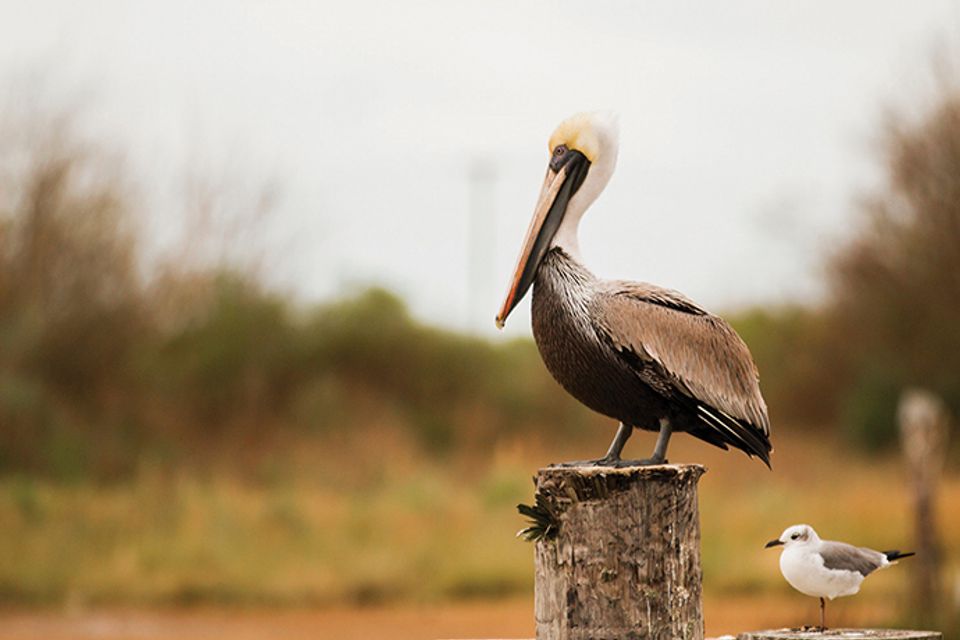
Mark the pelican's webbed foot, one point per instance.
(575, 463)
(620, 464)
(614, 463)
(646, 462)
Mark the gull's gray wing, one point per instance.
(841, 556)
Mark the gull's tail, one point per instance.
(896, 555)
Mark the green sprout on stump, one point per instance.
(542, 523)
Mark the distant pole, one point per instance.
(924, 429)
(624, 559)
(480, 244)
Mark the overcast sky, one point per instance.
(408, 139)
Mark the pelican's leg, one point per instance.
(612, 457)
(616, 447)
(659, 451)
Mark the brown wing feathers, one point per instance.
(696, 353)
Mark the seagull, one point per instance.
(646, 356)
(824, 568)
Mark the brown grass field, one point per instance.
(507, 618)
(414, 548)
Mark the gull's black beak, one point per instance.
(772, 543)
(564, 176)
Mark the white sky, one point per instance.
(745, 127)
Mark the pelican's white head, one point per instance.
(797, 535)
(596, 135)
(583, 154)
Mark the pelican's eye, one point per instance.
(559, 157)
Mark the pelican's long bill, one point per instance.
(564, 176)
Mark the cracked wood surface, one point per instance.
(626, 560)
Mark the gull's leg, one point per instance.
(823, 614)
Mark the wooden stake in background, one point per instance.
(622, 559)
(924, 428)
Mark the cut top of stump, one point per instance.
(646, 472)
(581, 484)
(842, 634)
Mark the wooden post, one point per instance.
(924, 429)
(625, 558)
(842, 634)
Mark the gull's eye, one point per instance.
(795, 536)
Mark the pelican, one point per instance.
(646, 356)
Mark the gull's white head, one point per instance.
(797, 535)
(583, 154)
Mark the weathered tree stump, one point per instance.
(625, 558)
(842, 634)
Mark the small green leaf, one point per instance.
(542, 522)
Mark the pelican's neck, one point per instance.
(560, 267)
(597, 178)
(562, 283)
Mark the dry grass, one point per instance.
(503, 618)
(335, 527)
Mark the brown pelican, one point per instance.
(646, 356)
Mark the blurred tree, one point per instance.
(895, 287)
(112, 352)
(70, 294)
(789, 345)
(88, 326)
(233, 362)
(452, 388)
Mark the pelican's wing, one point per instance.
(698, 354)
(841, 556)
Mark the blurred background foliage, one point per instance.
(110, 359)
(179, 431)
